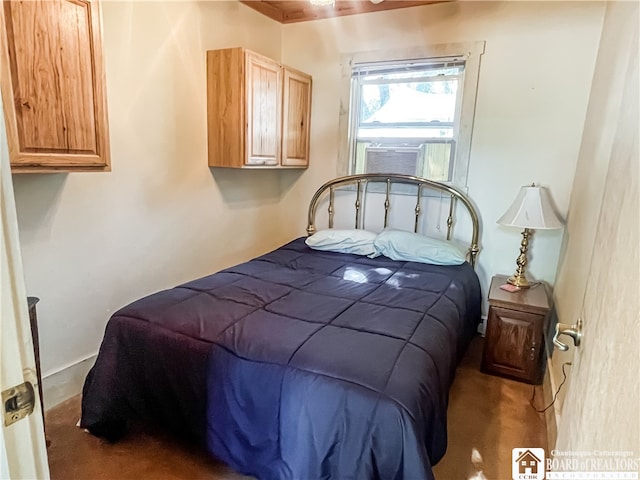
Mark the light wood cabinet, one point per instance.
(258, 111)
(53, 85)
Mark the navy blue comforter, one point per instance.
(297, 364)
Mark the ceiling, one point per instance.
(292, 11)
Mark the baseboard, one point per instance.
(482, 326)
(66, 382)
(550, 416)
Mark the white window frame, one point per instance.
(469, 51)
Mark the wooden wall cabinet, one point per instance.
(516, 325)
(53, 85)
(258, 111)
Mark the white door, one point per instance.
(23, 454)
(601, 411)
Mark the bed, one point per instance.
(299, 364)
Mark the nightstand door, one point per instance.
(513, 344)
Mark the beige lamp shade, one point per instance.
(531, 209)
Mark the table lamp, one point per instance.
(531, 210)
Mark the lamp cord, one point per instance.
(533, 396)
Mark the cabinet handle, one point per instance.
(532, 351)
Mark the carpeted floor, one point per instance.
(488, 413)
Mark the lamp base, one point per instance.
(519, 281)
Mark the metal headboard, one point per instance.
(361, 182)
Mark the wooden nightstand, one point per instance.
(516, 326)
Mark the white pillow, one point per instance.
(359, 242)
(412, 247)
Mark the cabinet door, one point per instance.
(296, 116)
(513, 344)
(264, 110)
(53, 85)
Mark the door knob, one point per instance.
(574, 331)
(18, 402)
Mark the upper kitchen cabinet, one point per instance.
(53, 85)
(258, 111)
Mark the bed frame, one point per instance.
(362, 181)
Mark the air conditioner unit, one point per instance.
(405, 160)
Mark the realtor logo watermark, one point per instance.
(527, 464)
(530, 464)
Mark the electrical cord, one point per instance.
(533, 396)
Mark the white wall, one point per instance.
(93, 242)
(535, 78)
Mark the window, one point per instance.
(410, 112)
(405, 117)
